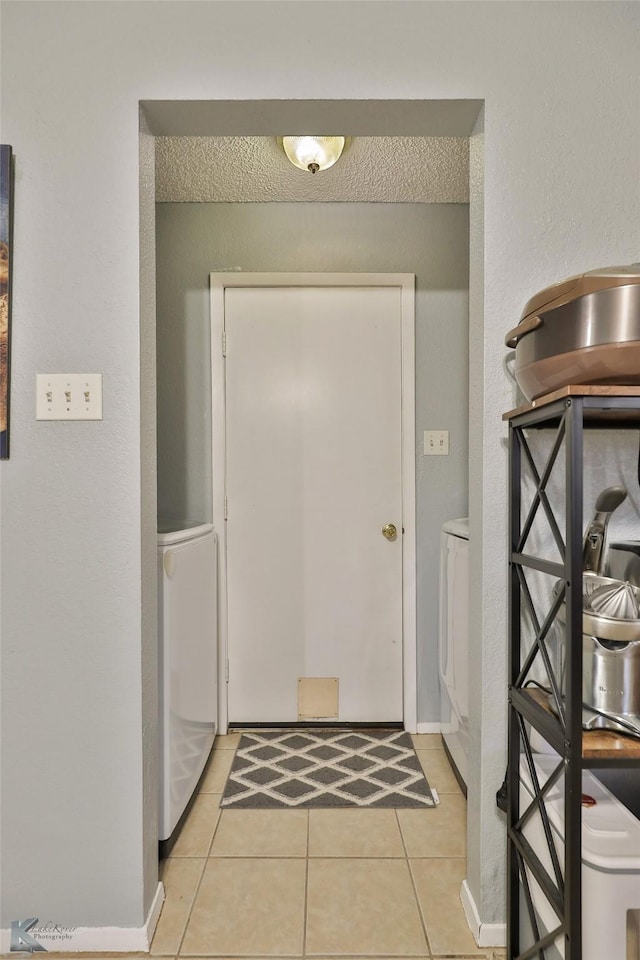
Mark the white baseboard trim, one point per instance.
(429, 728)
(56, 937)
(154, 913)
(485, 934)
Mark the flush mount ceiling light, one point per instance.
(312, 153)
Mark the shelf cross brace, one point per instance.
(540, 496)
(539, 645)
(539, 804)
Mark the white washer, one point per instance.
(188, 662)
(454, 642)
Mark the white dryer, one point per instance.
(188, 662)
(454, 642)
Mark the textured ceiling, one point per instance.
(254, 169)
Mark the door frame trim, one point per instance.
(218, 282)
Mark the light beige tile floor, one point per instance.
(321, 884)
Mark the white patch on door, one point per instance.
(317, 698)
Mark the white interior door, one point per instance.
(313, 474)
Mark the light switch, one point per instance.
(436, 443)
(68, 396)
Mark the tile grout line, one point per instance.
(195, 895)
(285, 856)
(199, 884)
(413, 887)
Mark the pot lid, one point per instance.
(583, 283)
(630, 270)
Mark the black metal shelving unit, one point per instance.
(557, 715)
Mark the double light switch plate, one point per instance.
(436, 443)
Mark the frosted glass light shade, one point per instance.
(313, 153)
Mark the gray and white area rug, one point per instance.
(326, 768)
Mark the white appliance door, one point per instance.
(188, 670)
(313, 428)
(455, 627)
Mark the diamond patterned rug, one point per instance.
(326, 768)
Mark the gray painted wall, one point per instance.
(430, 240)
(562, 168)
